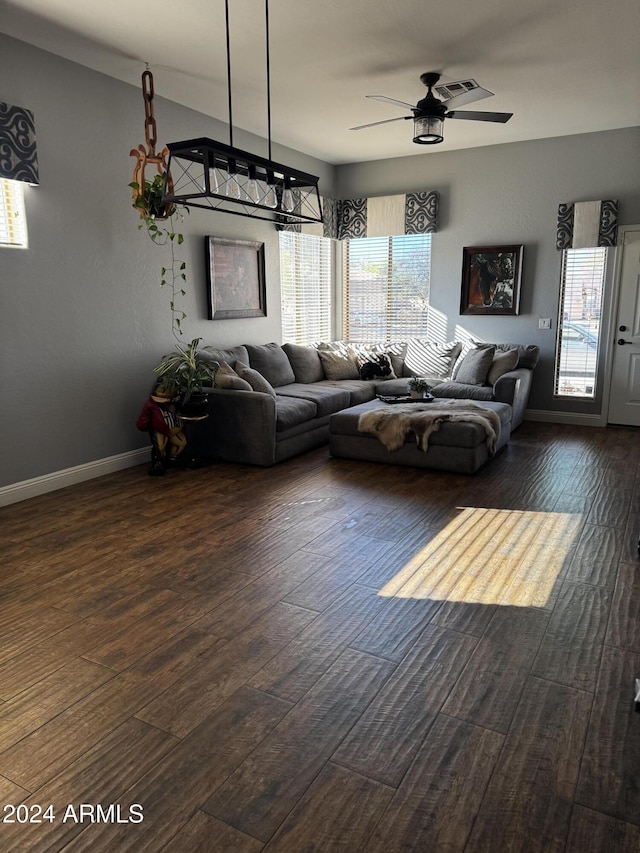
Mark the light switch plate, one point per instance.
(544, 323)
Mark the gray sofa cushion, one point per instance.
(473, 368)
(462, 391)
(359, 390)
(305, 362)
(291, 411)
(327, 399)
(528, 355)
(229, 355)
(271, 361)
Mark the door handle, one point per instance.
(622, 341)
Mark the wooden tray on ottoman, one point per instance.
(404, 398)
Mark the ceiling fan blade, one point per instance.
(469, 97)
(501, 117)
(391, 101)
(385, 121)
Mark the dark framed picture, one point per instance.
(235, 279)
(491, 277)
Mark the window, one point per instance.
(13, 222)
(581, 294)
(386, 287)
(305, 284)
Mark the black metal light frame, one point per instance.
(202, 169)
(209, 174)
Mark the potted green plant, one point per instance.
(419, 387)
(147, 200)
(185, 376)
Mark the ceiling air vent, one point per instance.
(450, 90)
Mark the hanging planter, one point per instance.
(147, 194)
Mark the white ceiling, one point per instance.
(561, 66)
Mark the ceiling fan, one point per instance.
(429, 114)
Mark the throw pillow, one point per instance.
(226, 377)
(255, 379)
(376, 366)
(502, 363)
(271, 361)
(433, 360)
(338, 365)
(305, 362)
(474, 367)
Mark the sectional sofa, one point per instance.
(272, 402)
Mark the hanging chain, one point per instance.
(149, 156)
(150, 130)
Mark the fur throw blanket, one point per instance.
(391, 424)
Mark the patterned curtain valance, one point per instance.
(18, 156)
(388, 216)
(587, 224)
(383, 216)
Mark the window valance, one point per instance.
(388, 216)
(18, 155)
(381, 216)
(587, 224)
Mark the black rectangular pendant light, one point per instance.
(215, 176)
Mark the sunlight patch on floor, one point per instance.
(491, 556)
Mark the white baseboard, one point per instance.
(574, 418)
(70, 476)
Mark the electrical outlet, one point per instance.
(544, 323)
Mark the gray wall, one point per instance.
(83, 318)
(503, 195)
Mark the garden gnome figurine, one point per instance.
(158, 418)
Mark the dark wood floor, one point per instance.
(329, 655)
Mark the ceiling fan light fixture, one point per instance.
(427, 130)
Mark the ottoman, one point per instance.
(459, 446)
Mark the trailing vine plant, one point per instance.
(147, 200)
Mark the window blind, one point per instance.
(386, 287)
(13, 222)
(581, 294)
(305, 285)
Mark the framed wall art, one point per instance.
(235, 279)
(491, 277)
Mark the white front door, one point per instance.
(624, 400)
